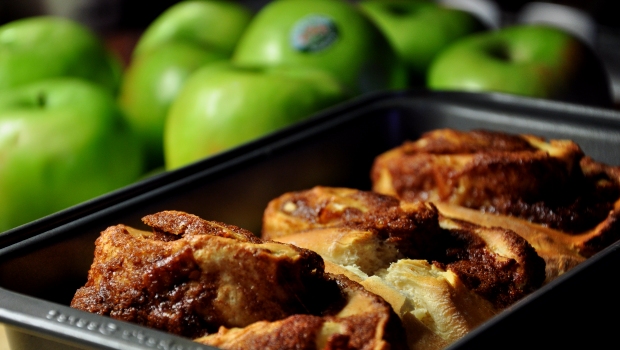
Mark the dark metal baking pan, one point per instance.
(44, 262)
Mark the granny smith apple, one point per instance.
(182, 39)
(334, 36)
(42, 47)
(62, 141)
(224, 105)
(211, 24)
(151, 83)
(419, 30)
(530, 60)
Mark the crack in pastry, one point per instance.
(442, 276)
(223, 286)
(563, 202)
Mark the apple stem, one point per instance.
(397, 10)
(500, 52)
(41, 99)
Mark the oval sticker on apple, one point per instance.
(313, 33)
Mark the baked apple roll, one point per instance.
(222, 286)
(442, 276)
(562, 201)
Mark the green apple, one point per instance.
(36, 48)
(530, 60)
(151, 83)
(224, 105)
(183, 38)
(419, 30)
(62, 141)
(334, 36)
(210, 24)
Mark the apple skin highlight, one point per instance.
(536, 61)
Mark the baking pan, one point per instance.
(44, 262)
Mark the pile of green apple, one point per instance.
(208, 75)
(205, 76)
(185, 37)
(449, 49)
(195, 89)
(418, 30)
(63, 138)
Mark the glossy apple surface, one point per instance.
(183, 38)
(150, 85)
(222, 106)
(536, 61)
(419, 30)
(62, 141)
(210, 24)
(37, 48)
(334, 36)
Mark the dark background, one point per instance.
(137, 14)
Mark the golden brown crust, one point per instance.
(290, 333)
(497, 263)
(494, 262)
(607, 231)
(414, 230)
(552, 245)
(187, 286)
(516, 175)
(476, 270)
(192, 277)
(184, 224)
(572, 203)
(366, 322)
